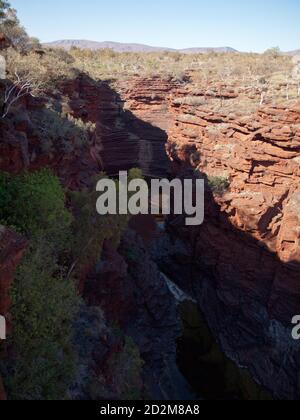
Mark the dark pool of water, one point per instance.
(209, 372)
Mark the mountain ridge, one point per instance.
(67, 44)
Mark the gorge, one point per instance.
(241, 267)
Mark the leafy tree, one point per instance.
(44, 299)
(13, 30)
(44, 306)
(274, 52)
(8, 16)
(91, 230)
(34, 204)
(4, 6)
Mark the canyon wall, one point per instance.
(243, 262)
(147, 100)
(124, 135)
(246, 256)
(248, 246)
(259, 156)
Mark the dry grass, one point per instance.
(210, 67)
(46, 70)
(251, 79)
(224, 82)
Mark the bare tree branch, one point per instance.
(20, 88)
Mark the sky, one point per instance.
(247, 25)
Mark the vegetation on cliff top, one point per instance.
(246, 80)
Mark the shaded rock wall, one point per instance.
(148, 102)
(134, 295)
(124, 138)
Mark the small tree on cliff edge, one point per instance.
(4, 7)
(11, 28)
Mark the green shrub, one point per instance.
(125, 381)
(89, 229)
(44, 299)
(61, 132)
(127, 367)
(218, 184)
(47, 72)
(44, 305)
(34, 204)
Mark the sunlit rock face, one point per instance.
(251, 233)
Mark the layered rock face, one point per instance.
(248, 246)
(147, 101)
(131, 117)
(112, 146)
(259, 155)
(124, 136)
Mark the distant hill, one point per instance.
(122, 47)
(295, 52)
(208, 50)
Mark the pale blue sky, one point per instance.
(247, 25)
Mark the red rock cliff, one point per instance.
(255, 239)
